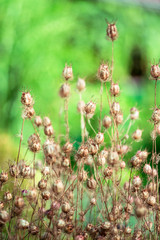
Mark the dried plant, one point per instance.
(68, 202)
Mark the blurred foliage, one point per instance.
(38, 37)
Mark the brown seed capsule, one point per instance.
(134, 113)
(58, 186)
(45, 171)
(156, 115)
(22, 224)
(64, 91)
(25, 171)
(48, 130)
(151, 187)
(46, 195)
(1, 205)
(3, 177)
(137, 135)
(82, 176)
(112, 31)
(67, 148)
(155, 71)
(99, 138)
(19, 202)
(135, 161)
(7, 196)
(28, 112)
(137, 181)
(68, 72)
(93, 201)
(113, 158)
(147, 169)
(66, 162)
(26, 99)
(127, 230)
(32, 194)
(81, 84)
(103, 73)
(38, 121)
(66, 207)
(13, 170)
(115, 89)
(61, 223)
(4, 217)
(42, 184)
(92, 147)
(34, 143)
(90, 108)
(122, 164)
(145, 194)
(33, 229)
(140, 211)
(46, 121)
(151, 201)
(115, 108)
(91, 183)
(126, 186)
(79, 237)
(119, 118)
(107, 121)
(108, 172)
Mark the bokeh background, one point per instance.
(38, 37)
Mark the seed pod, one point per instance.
(7, 196)
(82, 176)
(92, 147)
(13, 170)
(45, 171)
(19, 202)
(101, 160)
(107, 122)
(156, 115)
(142, 154)
(93, 201)
(126, 186)
(79, 237)
(68, 72)
(26, 99)
(67, 148)
(112, 31)
(48, 130)
(138, 201)
(58, 186)
(4, 217)
(3, 177)
(61, 223)
(151, 201)
(113, 158)
(90, 108)
(152, 187)
(25, 171)
(46, 195)
(38, 121)
(33, 229)
(158, 128)
(103, 73)
(134, 113)
(69, 228)
(99, 138)
(34, 143)
(89, 160)
(64, 91)
(137, 181)
(55, 205)
(129, 208)
(81, 84)
(154, 135)
(145, 194)
(83, 151)
(137, 135)
(65, 162)
(147, 169)
(108, 172)
(66, 207)
(115, 89)
(22, 224)
(106, 225)
(32, 194)
(80, 106)
(155, 71)
(91, 183)
(122, 165)
(140, 211)
(119, 118)
(127, 230)
(1, 205)
(115, 108)
(135, 161)
(153, 173)
(42, 184)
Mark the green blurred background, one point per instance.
(38, 37)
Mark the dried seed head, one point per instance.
(55, 205)
(13, 170)
(89, 109)
(61, 223)
(32, 194)
(108, 172)
(126, 186)
(89, 160)
(154, 135)
(19, 202)
(122, 164)
(127, 230)
(92, 147)
(4, 216)
(45, 171)
(58, 186)
(83, 151)
(112, 31)
(64, 91)
(49, 148)
(42, 184)
(156, 115)
(25, 171)
(46, 121)
(80, 106)
(101, 160)
(134, 113)
(138, 201)
(66, 162)
(122, 149)
(119, 118)
(22, 224)
(155, 71)
(99, 138)
(153, 173)
(115, 108)
(103, 73)
(28, 112)
(91, 183)
(81, 84)
(3, 177)
(66, 207)
(93, 201)
(48, 130)
(142, 154)
(107, 121)
(67, 148)
(106, 225)
(151, 201)
(115, 89)
(68, 72)
(79, 237)
(34, 143)
(113, 158)
(135, 161)
(1, 205)
(82, 176)
(33, 229)
(137, 181)
(147, 169)
(7, 196)
(152, 187)
(145, 194)
(137, 135)
(46, 195)
(140, 211)
(26, 99)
